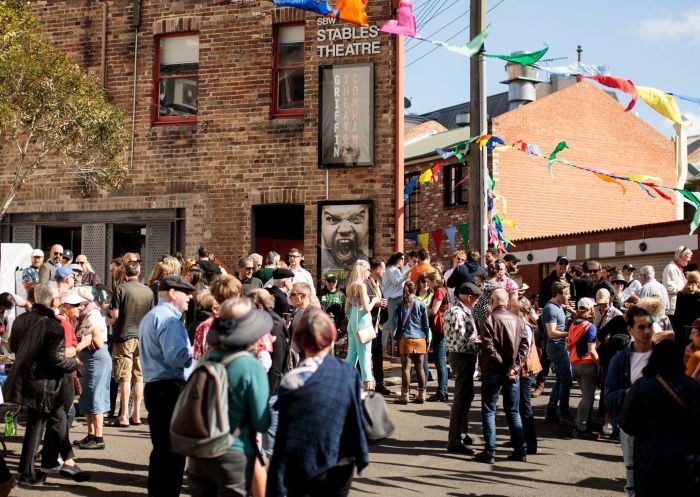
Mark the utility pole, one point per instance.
(478, 126)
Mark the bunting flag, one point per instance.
(423, 239)
(437, 239)
(471, 47)
(409, 188)
(463, 180)
(618, 84)
(426, 176)
(316, 6)
(464, 231)
(661, 102)
(413, 237)
(405, 22)
(352, 11)
(533, 149)
(610, 179)
(444, 154)
(482, 140)
(436, 168)
(560, 146)
(490, 144)
(525, 59)
(689, 99)
(450, 231)
(576, 69)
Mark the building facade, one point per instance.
(246, 118)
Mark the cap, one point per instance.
(629, 267)
(72, 297)
(331, 276)
(511, 258)
(77, 268)
(563, 258)
(175, 283)
(63, 272)
(618, 277)
(37, 253)
(602, 296)
(282, 273)
(585, 303)
(470, 289)
(67, 254)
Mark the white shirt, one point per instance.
(653, 288)
(638, 361)
(301, 275)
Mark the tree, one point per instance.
(52, 112)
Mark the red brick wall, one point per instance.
(235, 156)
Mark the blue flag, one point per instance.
(317, 6)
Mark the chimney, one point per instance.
(521, 83)
(462, 120)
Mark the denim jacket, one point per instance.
(415, 324)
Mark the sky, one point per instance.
(653, 43)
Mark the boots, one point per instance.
(403, 398)
(420, 396)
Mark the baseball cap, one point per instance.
(175, 283)
(331, 276)
(562, 258)
(629, 267)
(282, 273)
(72, 297)
(585, 303)
(511, 258)
(63, 272)
(602, 296)
(77, 268)
(67, 254)
(470, 289)
(37, 253)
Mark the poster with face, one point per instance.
(345, 235)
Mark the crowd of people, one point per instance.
(634, 344)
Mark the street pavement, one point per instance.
(414, 461)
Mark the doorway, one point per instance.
(69, 237)
(278, 227)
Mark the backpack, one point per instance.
(199, 426)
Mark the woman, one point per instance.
(661, 411)
(358, 308)
(687, 307)
(494, 271)
(195, 276)
(425, 295)
(237, 328)
(167, 266)
(392, 285)
(302, 299)
(662, 324)
(692, 352)
(96, 371)
(412, 334)
(581, 343)
(317, 450)
(439, 304)
(205, 310)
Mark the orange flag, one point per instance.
(352, 11)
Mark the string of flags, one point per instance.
(423, 239)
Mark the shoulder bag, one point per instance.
(378, 423)
(367, 333)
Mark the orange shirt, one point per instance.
(421, 268)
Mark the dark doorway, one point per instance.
(69, 237)
(278, 227)
(129, 238)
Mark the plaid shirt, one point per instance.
(200, 345)
(30, 274)
(460, 331)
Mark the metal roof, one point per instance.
(602, 230)
(426, 145)
(495, 106)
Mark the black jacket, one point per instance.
(687, 311)
(37, 378)
(281, 302)
(465, 273)
(280, 353)
(546, 288)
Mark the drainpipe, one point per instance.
(137, 23)
(104, 45)
(681, 145)
(398, 152)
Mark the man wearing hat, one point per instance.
(64, 278)
(462, 339)
(633, 286)
(30, 276)
(604, 312)
(165, 354)
(333, 299)
(558, 274)
(512, 262)
(280, 288)
(67, 257)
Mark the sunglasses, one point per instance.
(58, 253)
(594, 270)
(249, 268)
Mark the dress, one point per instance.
(97, 368)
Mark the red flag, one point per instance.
(619, 84)
(437, 238)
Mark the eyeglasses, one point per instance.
(594, 270)
(461, 259)
(37, 256)
(249, 268)
(58, 253)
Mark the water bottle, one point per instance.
(10, 428)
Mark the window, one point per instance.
(175, 92)
(455, 195)
(288, 71)
(411, 221)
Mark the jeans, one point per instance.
(562, 388)
(57, 438)
(165, 468)
(587, 377)
(360, 352)
(440, 357)
(627, 445)
(378, 357)
(229, 475)
(491, 387)
(527, 417)
(389, 326)
(268, 438)
(463, 366)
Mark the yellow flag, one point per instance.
(661, 102)
(426, 176)
(423, 239)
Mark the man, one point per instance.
(333, 299)
(462, 339)
(344, 235)
(503, 350)
(89, 278)
(64, 278)
(265, 274)
(30, 276)
(47, 271)
(209, 268)
(558, 274)
(598, 282)
(282, 281)
(67, 257)
(582, 282)
(458, 259)
(507, 283)
(603, 311)
(301, 275)
(130, 303)
(633, 286)
(245, 269)
(491, 256)
(468, 272)
(651, 287)
(512, 269)
(626, 368)
(374, 289)
(423, 265)
(673, 277)
(166, 352)
(36, 378)
(257, 261)
(554, 321)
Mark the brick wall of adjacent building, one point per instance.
(235, 156)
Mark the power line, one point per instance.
(424, 25)
(430, 11)
(445, 26)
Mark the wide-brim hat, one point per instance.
(242, 331)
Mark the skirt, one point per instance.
(412, 346)
(96, 373)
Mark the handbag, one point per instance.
(366, 334)
(378, 423)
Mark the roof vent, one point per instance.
(521, 83)
(462, 120)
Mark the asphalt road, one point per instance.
(414, 461)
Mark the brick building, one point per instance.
(600, 135)
(224, 97)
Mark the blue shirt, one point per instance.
(393, 280)
(553, 313)
(164, 346)
(31, 274)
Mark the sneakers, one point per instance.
(75, 473)
(485, 457)
(517, 456)
(92, 444)
(34, 480)
(51, 471)
(607, 429)
(584, 435)
(460, 449)
(438, 397)
(539, 388)
(567, 422)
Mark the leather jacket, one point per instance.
(36, 379)
(503, 342)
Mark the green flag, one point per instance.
(464, 231)
(561, 146)
(525, 59)
(471, 47)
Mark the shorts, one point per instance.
(412, 346)
(126, 362)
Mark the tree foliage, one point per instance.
(52, 112)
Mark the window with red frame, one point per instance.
(288, 71)
(175, 92)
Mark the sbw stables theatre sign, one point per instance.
(346, 40)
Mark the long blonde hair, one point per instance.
(357, 278)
